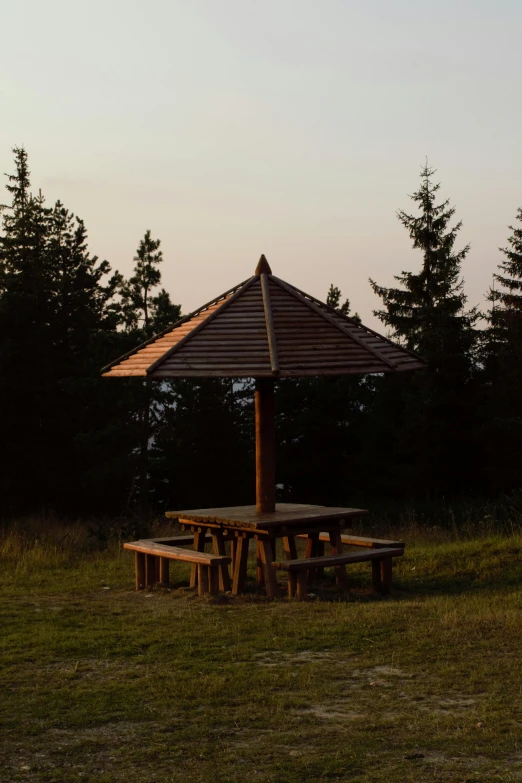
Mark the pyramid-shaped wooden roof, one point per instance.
(264, 327)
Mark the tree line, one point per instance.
(78, 444)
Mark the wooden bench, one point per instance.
(152, 563)
(380, 557)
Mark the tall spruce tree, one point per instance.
(502, 369)
(145, 313)
(427, 313)
(53, 308)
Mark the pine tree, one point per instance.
(333, 300)
(502, 369)
(146, 313)
(428, 314)
(54, 312)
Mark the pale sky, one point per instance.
(294, 128)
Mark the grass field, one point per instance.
(101, 684)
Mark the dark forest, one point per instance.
(77, 445)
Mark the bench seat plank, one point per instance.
(352, 540)
(336, 560)
(176, 553)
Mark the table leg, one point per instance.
(291, 554)
(198, 546)
(312, 550)
(337, 549)
(260, 575)
(240, 564)
(218, 546)
(164, 570)
(139, 559)
(150, 570)
(272, 588)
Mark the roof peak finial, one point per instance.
(263, 267)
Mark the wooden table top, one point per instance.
(285, 514)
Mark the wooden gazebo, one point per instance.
(264, 328)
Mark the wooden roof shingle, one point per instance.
(264, 327)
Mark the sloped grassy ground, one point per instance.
(106, 685)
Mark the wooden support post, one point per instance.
(214, 580)
(320, 553)
(218, 545)
(291, 554)
(240, 566)
(260, 574)
(312, 550)
(164, 570)
(302, 591)
(232, 555)
(150, 570)
(139, 560)
(386, 575)
(265, 445)
(199, 546)
(376, 576)
(203, 581)
(272, 588)
(337, 549)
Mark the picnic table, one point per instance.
(240, 524)
(236, 526)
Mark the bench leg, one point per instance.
(240, 565)
(267, 553)
(376, 576)
(199, 546)
(203, 580)
(150, 570)
(260, 575)
(320, 553)
(291, 554)
(337, 549)
(139, 560)
(164, 570)
(218, 546)
(312, 547)
(302, 587)
(214, 573)
(386, 575)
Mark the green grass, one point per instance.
(106, 685)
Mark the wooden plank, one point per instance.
(174, 553)
(286, 514)
(352, 540)
(272, 588)
(224, 304)
(139, 561)
(333, 321)
(334, 560)
(179, 540)
(272, 343)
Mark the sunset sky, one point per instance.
(293, 128)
